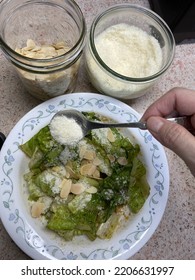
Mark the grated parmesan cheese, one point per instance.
(132, 52)
(129, 51)
(66, 131)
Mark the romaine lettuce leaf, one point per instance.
(139, 188)
(42, 140)
(43, 150)
(48, 182)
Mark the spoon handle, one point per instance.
(96, 125)
(184, 121)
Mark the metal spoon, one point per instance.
(87, 125)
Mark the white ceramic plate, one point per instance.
(30, 235)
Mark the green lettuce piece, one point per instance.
(43, 150)
(69, 234)
(138, 193)
(107, 229)
(34, 191)
(139, 188)
(126, 186)
(51, 158)
(48, 182)
(63, 219)
(40, 161)
(36, 159)
(117, 180)
(90, 181)
(138, 169)
(85, 221)
(42, 140)
(79, 202)
(114, 189)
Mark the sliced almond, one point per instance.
(96, 174)
(30, 54)
(87, 169)
(97, 161)
(18, 50)
(82, 151)
(65, 188)
(111, 158)
(31, 50)
(122, 161)
(84, 161)
(71, 172)
(67, 174)
(110, 135)
(55, 168)
(59, 169)
(59, 45)
(89, 154)
(77, 188)
(47, 49)
(30, 44)
(61, 51)
(37, 209)
(40, 55)
(36, 49)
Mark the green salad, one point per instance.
(86, 189)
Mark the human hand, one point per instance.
(176, 102)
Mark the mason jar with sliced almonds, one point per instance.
(44, 41)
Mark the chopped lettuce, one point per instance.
(111, 176)
(67, 220)
(79, 202)
(43, 150)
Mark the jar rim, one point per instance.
(143, 10)
(66, 58)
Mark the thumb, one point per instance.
(174, 137)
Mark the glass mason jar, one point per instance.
(111, 44)
(44, 41)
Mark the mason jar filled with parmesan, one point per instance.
(44, 41)
(129, 48)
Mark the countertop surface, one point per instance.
(175, 236)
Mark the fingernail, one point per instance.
(154, 124)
